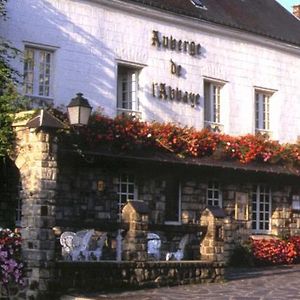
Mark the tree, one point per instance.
(8, 95)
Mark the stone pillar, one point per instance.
(212, 246)
(37, 162)
(136, 215)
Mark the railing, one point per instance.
(264, 132)
(213, 126)
(182, 228)
(129, 112)
(70, 238)
(75, 244)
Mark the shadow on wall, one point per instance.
(82, 61)
(189, 115)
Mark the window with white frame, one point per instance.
(212, 105)
(37, 72)
(127, 89)
(261, 208)
(262, 111)
(213, 194)
(126, 189)
(173, 201)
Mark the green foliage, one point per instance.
(262, 252)
(8, 95)
(6, 118)
(242, 256)
(2, 7)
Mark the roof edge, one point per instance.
(137, 7)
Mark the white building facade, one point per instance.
(160, 65)
(227, 65)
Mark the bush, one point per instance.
(11, 266)
(266, 252)
(273, 251)
(241, 256)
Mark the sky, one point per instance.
(288, 3)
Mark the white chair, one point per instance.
(76, 246)
(179, 253)
(97, 253)
(153, 245)
(81, 244)
(66, 241)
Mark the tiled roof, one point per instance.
(45, 119)
(263, 17)
(171, 159)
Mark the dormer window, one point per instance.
(198, 3)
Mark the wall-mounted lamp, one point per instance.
(79, 110)
(100, 185)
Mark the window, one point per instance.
(212, 105)
(18, 212)
(261, 209)
(19, 207)
(127, 101)
(262, 111)
(37, 72)
(213, 194)
(296, 202)
(126, 189)
(173, 201)
(198, 4)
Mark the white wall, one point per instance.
(90, 38)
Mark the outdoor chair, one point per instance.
(179, 253)
(81, 244)
(66, 241)
(97, 253)
(153, 245)
(76, 246)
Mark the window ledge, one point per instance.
(213, 126)
(40, 100)
(129, 112)
(265, 132)
(172, 223)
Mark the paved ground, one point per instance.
(274, 283)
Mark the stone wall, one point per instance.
(134, 246)
(112, 275)
(63, 190)
(36, 160)
(78, 197)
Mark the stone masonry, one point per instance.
(135, 213)
(36, 160)
(212, 246)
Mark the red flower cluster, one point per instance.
(275, 251)
(129, 133)
(296, 241)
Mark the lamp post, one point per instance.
(79, 110)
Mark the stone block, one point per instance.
(231, 195)
(160, 206)
(187, 191)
